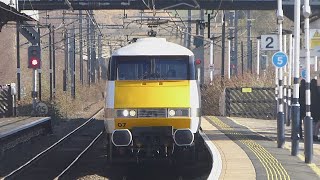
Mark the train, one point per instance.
(152, 102)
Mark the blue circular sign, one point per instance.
(279, 59)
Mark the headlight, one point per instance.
(178, 112)
(132, 113)
(126, 113)
(171, 113)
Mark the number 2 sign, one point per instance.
(269, 42)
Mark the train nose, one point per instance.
(183, 137)
(121, 137)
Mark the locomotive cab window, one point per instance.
(153, 68)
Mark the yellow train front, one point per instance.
(152, 105)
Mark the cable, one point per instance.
(146, 4)
(153, 8)
(31, 6)
(69, 4)
(93, 21)
(48, 33)
(217, 11)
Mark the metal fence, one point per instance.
(6, 101)
(250, 102)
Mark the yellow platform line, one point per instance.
(273, 167)
(313, 166)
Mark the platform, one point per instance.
(248, 150)
(20, 129)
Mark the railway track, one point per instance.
(94, 165)
(56, 160)
(82, 154)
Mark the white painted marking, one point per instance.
(216, 158)
(25, 126)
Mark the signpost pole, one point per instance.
(295, 101)
(285, 80)
(308, 141)
(34, 92)
(280, 116)
(271, 43)
(289, 80)
(278, 59)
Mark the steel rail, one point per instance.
(79, 156)
(38, 156)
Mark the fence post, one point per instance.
(227, 102)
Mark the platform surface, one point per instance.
(248, 150)
(9, 126)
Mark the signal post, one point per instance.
(34, 62)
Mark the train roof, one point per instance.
(152, 46)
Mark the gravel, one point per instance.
(20, 154)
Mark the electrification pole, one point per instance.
(258, 57)
(235, 54)
(81, 46)
(18, 61)
(88, 50)
(223, 45)
(202, 47)
(93, 52)
(18, 55)
(231, 25)
(229, 59)
(249, 49)
(99, 57)
(54, 62)
(185, 39)
(50, 62)
(65, 71)
(72, 62)
(39, 72)
(242, 63)
(189, 29)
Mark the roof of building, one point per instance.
(8, 13)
